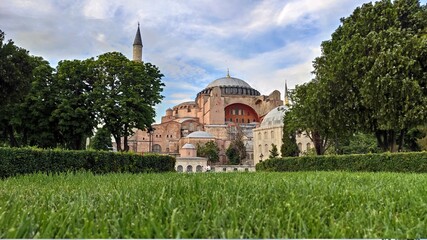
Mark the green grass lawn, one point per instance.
(215, 205)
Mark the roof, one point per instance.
(274, 117)
(199, 134)
(189, 146)
(229, 81)
(181, 120)
(186, 103)
(138, 40)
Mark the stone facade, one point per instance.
(226, 105)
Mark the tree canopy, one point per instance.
(371, 76)
(125, 93)
(61, 107)
(210, 150)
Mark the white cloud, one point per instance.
(99, 9)
(295, 10)
(192, 42)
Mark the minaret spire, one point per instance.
(137, 46)
(228, 72)
(286, 102)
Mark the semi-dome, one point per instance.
(229, 82)
(199, 134)
(274, 117)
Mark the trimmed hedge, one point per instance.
(14, 161)
(415, 162)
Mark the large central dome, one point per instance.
(228, 82)
(230, 86)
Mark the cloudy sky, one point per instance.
(193, 42)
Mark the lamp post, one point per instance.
(261, 156)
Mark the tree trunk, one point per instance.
(118, 142)
(125, 140)
(386, 140)
(12, 140)
(125, 144)
(318, 143)
(401, 140)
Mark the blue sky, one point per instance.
(193, 42)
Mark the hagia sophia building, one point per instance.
(226, 107)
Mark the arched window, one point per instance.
(308, 146)
(189, 168)
(259, 136)
(179, 168)
(266, 148)
(272, 134)
(157, 148)
(199, 168)
(300, 147)
(265, 135)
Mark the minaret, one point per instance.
(137, 47)
(286, 94)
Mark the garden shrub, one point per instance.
(14, 161)
(385, 162)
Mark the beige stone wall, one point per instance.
(218, 131)
(263, 138)
(186, 163)
(165, 135)
(304, 143)
(188, 152)
(216, 107)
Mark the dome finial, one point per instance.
(228, 72)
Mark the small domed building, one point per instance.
(270, 132)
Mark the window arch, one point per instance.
(157, 148)
(179, 168)
(308, 146)
(189, 168)
(300, 147)
(199, 168)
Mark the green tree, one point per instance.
(34, 121)
(125, 95)
(236, 152)
(101, 140)
(15, 71)
(232, 155)
(210, 150)
(289, 146)
(274, 153)
(422, 142)
(360, 143)
(311, 113)
(75, 111)
(15, 81)
(373, 71)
